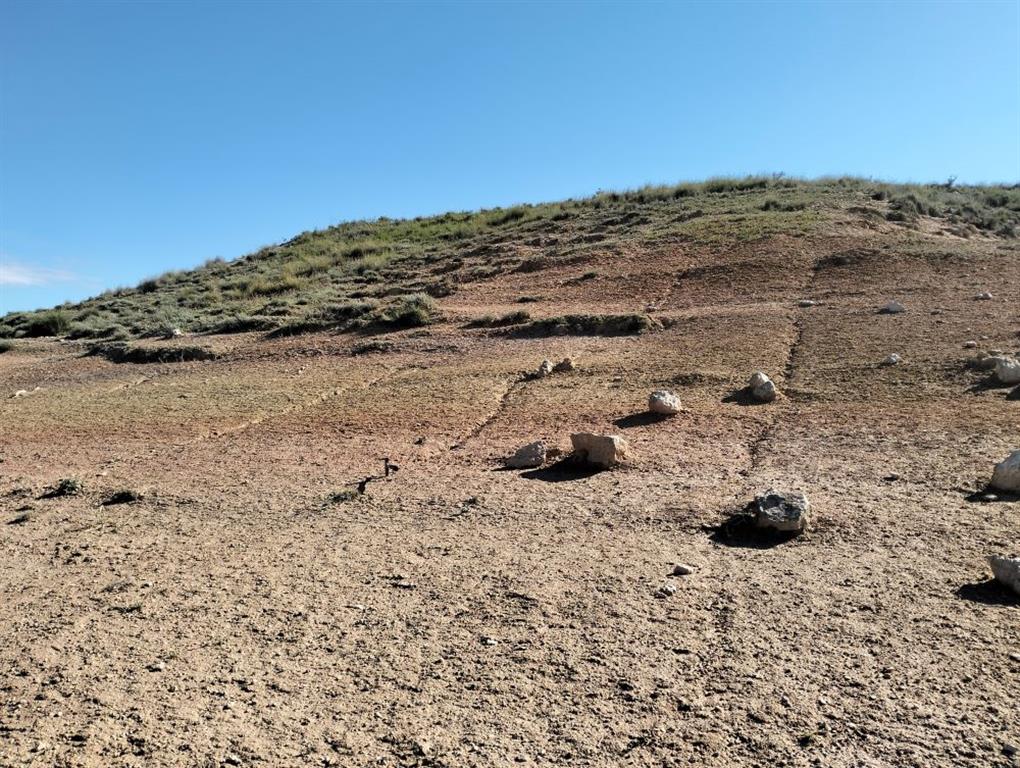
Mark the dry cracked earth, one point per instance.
(458, 614)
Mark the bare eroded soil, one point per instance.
(460, 615)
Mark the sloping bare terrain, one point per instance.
(458, 614)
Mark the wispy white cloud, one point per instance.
(12, 273)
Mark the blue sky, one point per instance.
(141, 137)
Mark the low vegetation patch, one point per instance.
(588, 325)
(489, 321)
(67, 486)
(126, 353)
(6, 346)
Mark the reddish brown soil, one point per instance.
(459, 615)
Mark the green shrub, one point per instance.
(53, 322)
(412, 311)
(6, 346)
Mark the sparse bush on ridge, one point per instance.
(284, 286)
(53, 322)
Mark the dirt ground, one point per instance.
(461, 615)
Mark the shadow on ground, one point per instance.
(739, 530)
(990, 495)
(741, 396)
(988, 592)
(562, 471)
(641, 419)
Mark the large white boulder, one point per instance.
(663, 401)
(1006, 475)
(1006, 570)
(528, 456)
(762, 388)
(600, 450)
(1007, 370)
(786, 512)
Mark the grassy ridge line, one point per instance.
(384, 273)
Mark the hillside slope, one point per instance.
(248, 606)
(355, 274)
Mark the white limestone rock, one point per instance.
(603, 451)
(762, 388)
(892, 359)
(1007, 370)
(893, 308)
(984, 296)
(1006, 475)
(785, 512)
(1006, 570)
(544, 369)
(664, 402)
(528, 457)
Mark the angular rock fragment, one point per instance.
(762, 388)
(563, 366)
(664, 402)
(544, 369)
(893, 359)
(603, 451)
(1006, 475)
(786, 512)
(892, 308)
(1006, 570)
(1007, 370)
(528, 456)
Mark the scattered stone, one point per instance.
(1006, 476)
(680, 569)
(599, 450)
(892, 308)
(1009, 749)
(666, 590)
(157, 666)
(529, 456)
(970, 345)
(892, 359)
(564, 366)
(1006, 570)
(762, 388)
(787, 512)
(807, 303)
(1007, 370)
(486, 640)
(663, 401)
(21, 519)
(544, 369)
(983, 296)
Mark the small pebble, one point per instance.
(680, 569)
(970, 345)
(666, 590)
